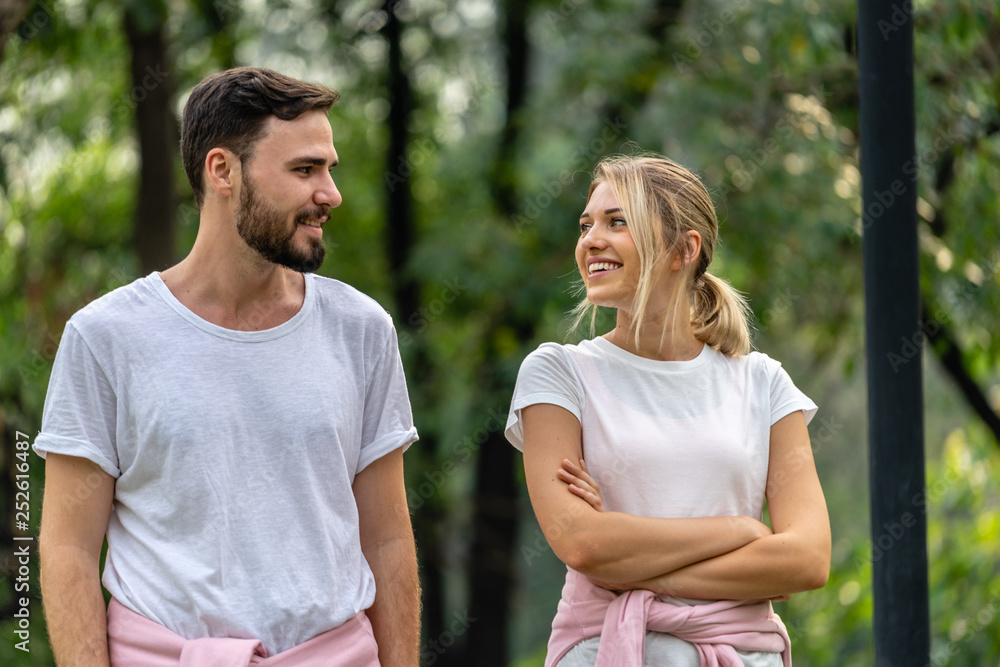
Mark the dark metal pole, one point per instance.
(893, 336)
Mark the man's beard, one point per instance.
(264, 229)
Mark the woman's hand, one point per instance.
(581, 483)
(609, 586)
(661, 585)
(657, 585)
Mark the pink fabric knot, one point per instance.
(716, 629)
(134, 640)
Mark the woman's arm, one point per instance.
(795, 558)
(612, 546)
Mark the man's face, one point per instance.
(287, 192)
(266, 229)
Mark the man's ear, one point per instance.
(222, 169)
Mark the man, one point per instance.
(235, 424)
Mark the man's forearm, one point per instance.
(74, 608)
(395, 615)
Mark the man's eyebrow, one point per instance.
(315, 161)
(606, 212)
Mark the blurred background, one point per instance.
(466, 132)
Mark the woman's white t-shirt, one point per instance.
(668, 439)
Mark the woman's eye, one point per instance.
(584, 226)
(618, 222)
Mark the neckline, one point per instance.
(263, 335)
(655, 364)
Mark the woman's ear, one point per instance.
(691, 250)
(692, 242)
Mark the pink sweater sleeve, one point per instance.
(134, 639)
(716, 629)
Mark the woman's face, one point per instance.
(606, 254)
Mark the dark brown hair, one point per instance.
(229, 109)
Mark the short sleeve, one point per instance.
(388, 419)
(547, 375)
(80, 415)
(786, 398)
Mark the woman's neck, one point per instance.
(677, 343)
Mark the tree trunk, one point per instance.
(493, 548)
(219, 16)
(400, 226)
(400, 236)
(495, 517)
(12, 12)
(514, 38)
(152, 93)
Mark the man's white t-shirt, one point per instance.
(234, 453)
(667, 439)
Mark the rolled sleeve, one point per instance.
(80, 414)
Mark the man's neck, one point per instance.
(228, 284)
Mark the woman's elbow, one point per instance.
(818, 577)
(804, 563)
(816, 569)
(578, 551)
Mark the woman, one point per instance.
(687, 432)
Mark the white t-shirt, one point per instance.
(667, 439)
(234, 453)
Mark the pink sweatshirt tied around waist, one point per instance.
(134, 639)
(716, 629)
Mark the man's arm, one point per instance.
(75, 512)
(388, 545)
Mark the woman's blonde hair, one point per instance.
(662, 201)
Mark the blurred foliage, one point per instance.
(760, 98)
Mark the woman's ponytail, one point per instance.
(719, 316)
(663, 203)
